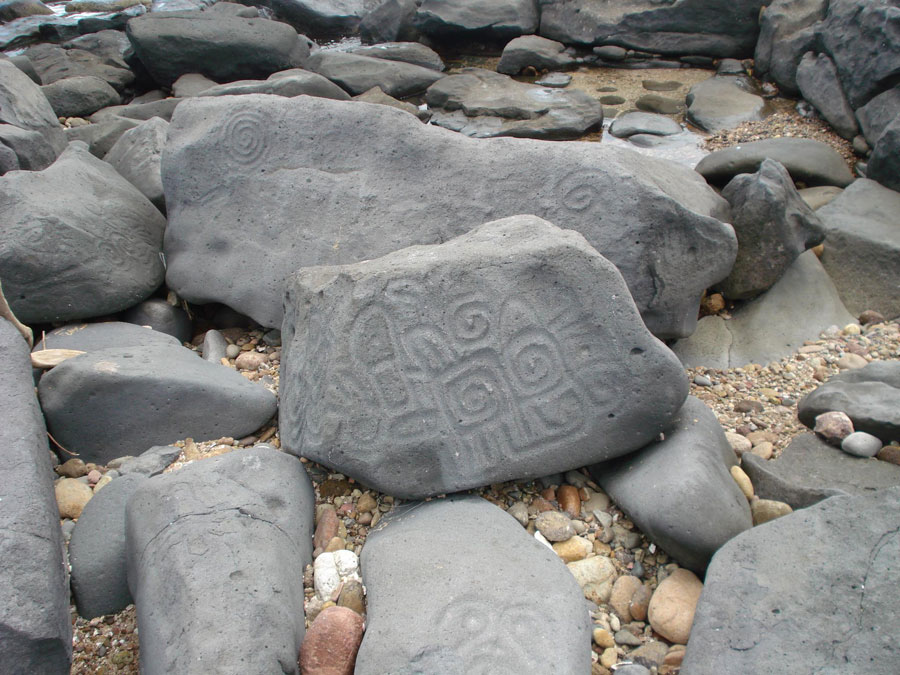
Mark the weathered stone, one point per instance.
(787, 31)
(136, 156)
(633, 123)
(151, 462)
(101, 135)
(32, 151)
(875, 116)
(724, 102)
(497, 19)
(89, 337)
(23, 104)
(287, 83)
(331, 644)
(408, 52)
(80, 96)
(389, 21)
(884, 163)
(54, 63)
(357, 73)
(473, 386)
(72, 496)
(162, 317)
(833, 427)
(818, 81)
(327, 18)
(673, 605)
(535, 51)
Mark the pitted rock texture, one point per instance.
(510, 351)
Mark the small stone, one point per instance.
(738, 443)
(326, 526)
(757, 437)
(764, 450)
(105, 480)
(574, 548)
(45, 359)
(861, 444)
(622, 592)
(335, 544)
(596, 501)
(250, 360)
(366, 503)
(331, 643)
(232, 351)
(569, 500)
(625, 637)
(94, 476)
(603, 638)
(609, 657)
(742, 480)
(889, 453)
(851, 329)
(748, 406)
(851, 362)
(702, 381)
(651, 654)
(833, 427)
(675, 655)
(764, 510)
(539, 505)
(555, 526)
(72, 468)
(353, 596)
(871, 316)
(640, 601)
(71, 497)
(595, 576)
(672, 606)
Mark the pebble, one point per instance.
(702, 381)
(353, 596)
(232, 351)
(595, 576)
(576, 478)
(71, 497)
(596, 501)
(574, 548)
(554, 80)
(833, 427)
(519, 511)
(366, 503)
(72, 468)
(738, 443)
(870, 316)
(94, 476)
(331, 643)
(672, 606)
(622, 592)
(609, 657)
(105, 480)
(742, 480)
(889, 453)
(603, 638)
(640, 602)
(764, 450)
(632, 669)
(861, 444)
(569, 500)
(555, 526)
(626, 637)
(748, 406)
(764, 510)
(851, 362)
(327, 525)
(661, 85)
(326, 579)
(250, 360)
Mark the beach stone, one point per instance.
(554, 80)
(765, 510)
(221, 46)
(460, 385)
(353, 596)
(818, 81)
(80, 95)
(890, 454)
(700, 507)
(136, 156)
(71, 497)
(97, 551)
(555, 526)
(798, 307)
(884, 165)
(10, 10)
(192, 84)
(654, 103)
(237, 528)
(861, 444)
(331, 643)
(79, 241)
(738, 443)
(496, 19)
(162, 317)
(875, 116)
(151, 462)
(89, 337)
(376, 95)
(574, 184)
(787, 30)
(862, 253)
(622, 592)
(357, 73)
(724, 102)
(810, 470)
(773, 226)
(869, 396)
(535, 51)
(214, 346)
(851, 361)
(474, 616)
(35, 627)
(147, 396)
(23, 104)
(54, 63)
(575, 548)
(101, 135)
(817, 197)
(484, 104)
(673, 605)
(389, 21)
(807, 161)
(633, 123)
(287, 83)
(31, 150)
(408, 52)
(743, 481)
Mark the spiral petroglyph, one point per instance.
(245, 136)
(579, 191)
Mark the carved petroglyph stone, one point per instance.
(512, 351)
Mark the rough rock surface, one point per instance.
(215, 552)
(724, 102)
(509, 374)
(498, 601)
(679, 491)
(357, 73)
(875, 116)
(137, 155)
(819, 84)
(89, 337)
(787, 30)
(32, 151)
(884, 164)
(23, 104)
(496, 18)
(288, 83)
(408, 52)
(832, 603)
(384, 181)
(535, 51)
(391, 20)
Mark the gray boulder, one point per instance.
(724, 102)
(801, 304)
(35, 628)
(773, 226)
(23, 104)
(489, 357)
(287, 83)
(214, 346)
(819, 84)
(10, 10)
(80, 96)
(787, 30)
(495, 19)
(137, 155)
(870, 397)
(31, 149)
(326, 18)
(357, 73)
(679, 491)
(862, 247)
(162, 108)
(97, 550)
(363, 198)
(102, 134)
(535, 51)
(218, 45)
(90, 337)
(875, 116)
(151, 462)
(810, 470)
(163, 317)
(408, 52)
(633, 123)
(792, 596)
(79, 240)
(375, 95)
(484, 104)
(111, 46)
(389, 21)
(215, 555)
(497, 600)
(808, 161)
(54, 63)
(884, 164)
(115, 402)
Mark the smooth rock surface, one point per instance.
(357, 73)
(884, 163)
(89, 337)
(497, 19)
(31, 149)
(331, 643)
(673, 605)
(408, 52)
(137, 155)
(80, 96)
(23, 104)
(724, 102)
(535, 51)
(288, 83)
(820, 85)
(633, 123)
(162, 317)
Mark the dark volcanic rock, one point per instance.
(504, 362)
(89, 337)
(875, 116)
(819, 84)
(215, 555)
(408, 52)
(534, 51)
(357, 73)
(321, 17)
(23, 104)
(390, 21)
(884, 164)
(376, 180)
(498, 19)
(137, 155)
(724, 102)
(163, 317)
(498, 601)
(787, 32)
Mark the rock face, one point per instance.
(482, 359)
(633, 123)
(799, 572)
(384, 181)
(408, 52)
(31, 149)
(679, 491)
(23, 104)
(497, 19)
(819, 84)
(54, 63)
(214, 554)
(498, 601)
(685, 27)
(875, 116)
(862, 250)
(787, 32)
(116, 402)
(35, 629)
(391, 20)
(810, 470)
(80, 96)
(137, 155)
(724, 102)
(773, 226)
(884, 164)
(483, 104)
(89, 337)
(79, 240)
(357, 73)
(534, 51)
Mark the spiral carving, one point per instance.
(471, 320)
(579, 192)
(245, 137)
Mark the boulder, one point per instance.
(10, 10)
(773, 226)
(357, 73)
(862, 247)
(810, 470)
(80, 96)
(633, 123)
(111, 46)
(325, 18)
(364, 197)
(24, 105)
(875, 116)
(483, 104)
(31, 149)
(498, 601)
(819, 84)
(54, 63)
(288, 83)
(79, 240)
(35, 628)
(536, 52)
(787, 30)
(724, 102)
(801, 304)
(162, 317)
(375, 95)
(163, 108)
(408, 52)
(102, 134)
(116, 402)
(809, 162)
(90, 337)
(494, 19)
(215, 552)
(792, 596)
(884, 163)
(679, 491)
(137, 155)
(483, 359)
(389, 21)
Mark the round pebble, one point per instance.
(833, 427)
(672, 606)
(555, 526)
(861, 444)
(743, 481)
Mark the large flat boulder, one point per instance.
(376, 180)
(90, 337)
(216, 552)
(358, 73)
(792, 596)
(325, 18)
(724, 102)
(408, 52)
(497, 19)
(78, 240)
(511, 351)
(497, 600)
